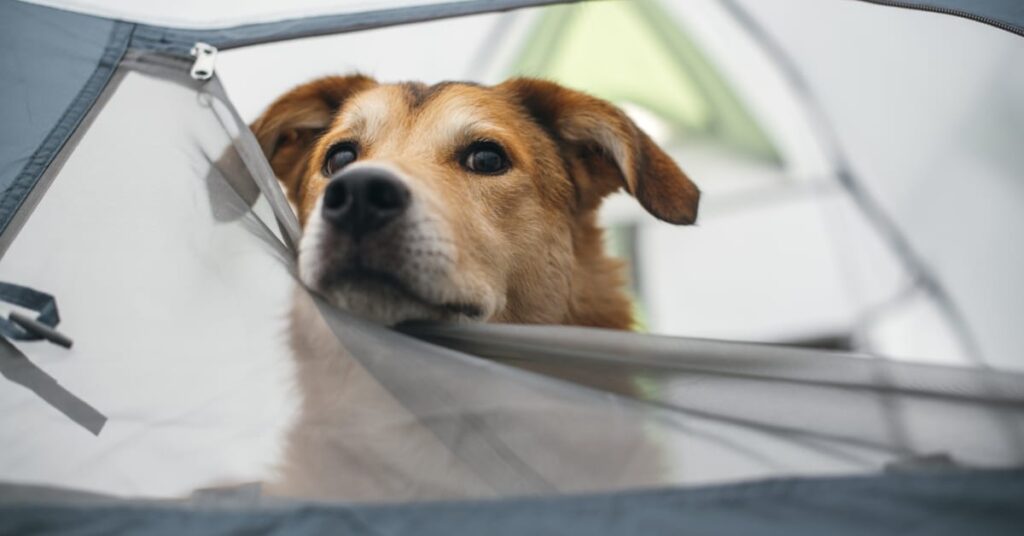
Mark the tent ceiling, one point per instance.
(209, 14)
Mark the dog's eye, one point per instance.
(338, 157)
(486, 158)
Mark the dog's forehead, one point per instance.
(446, 107)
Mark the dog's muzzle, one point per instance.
(362, 200)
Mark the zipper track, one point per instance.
(950, 11)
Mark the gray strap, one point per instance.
(16, 367)
(40, 302)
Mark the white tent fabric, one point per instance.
(926, 108)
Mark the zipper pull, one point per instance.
(205, 55)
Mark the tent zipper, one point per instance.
(953, 12)
(206, 56)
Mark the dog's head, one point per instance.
(458, 201)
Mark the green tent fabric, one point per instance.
(648, 64)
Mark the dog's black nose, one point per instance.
(364, 200)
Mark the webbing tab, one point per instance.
(20, 327)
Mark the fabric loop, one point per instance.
(44, 304)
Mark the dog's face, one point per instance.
(463, 202)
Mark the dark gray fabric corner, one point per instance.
(55, 64)
(981, 502)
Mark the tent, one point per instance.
(141, 225)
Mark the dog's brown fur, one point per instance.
(530, 235)
(521, 246)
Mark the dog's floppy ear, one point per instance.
(291, 125)
(586, 124)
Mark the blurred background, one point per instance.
(861, 166)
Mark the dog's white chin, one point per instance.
(382, 307)
(416, 258)
(376, 302)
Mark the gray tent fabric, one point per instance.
(985, 502)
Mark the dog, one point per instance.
(460, 202)
(454, 202)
